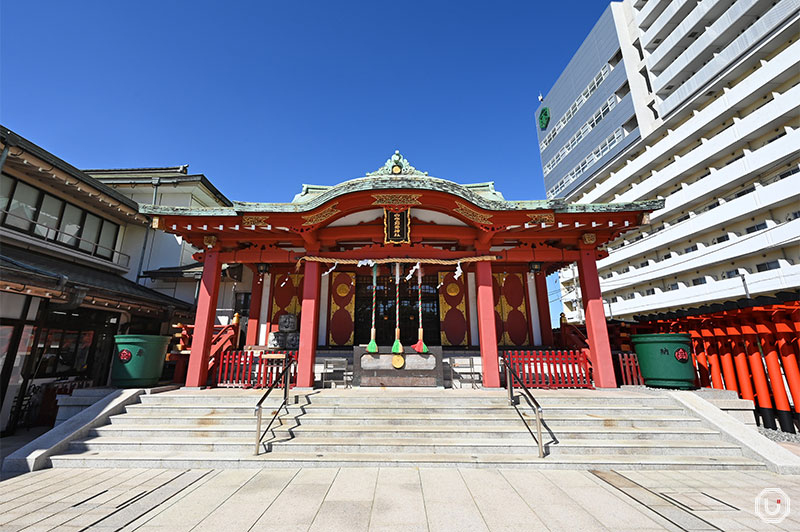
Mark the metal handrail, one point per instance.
(537, 409)
(284, 374)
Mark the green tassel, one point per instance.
(397, 347)
(372, 347)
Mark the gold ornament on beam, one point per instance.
(312, 219)
(209, 241)
(255, 220)
(396, 199)
(542, 218)
(472, 214)
(589, 238)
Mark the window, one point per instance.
(691, 248)
(723, 238)
(682, 219)
(757, 227)
(672, 286)
(698, 281)
(746, 191)
(644, 264)
(625, 270)
(731, 274)
(667, 256)
(47, 221)
(650, 291)
(766, 266)
(42, 215)
(22, 209)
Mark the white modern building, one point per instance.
(706, 117)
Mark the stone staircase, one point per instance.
(584, 429)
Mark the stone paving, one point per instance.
(352, 499)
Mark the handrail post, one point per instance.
(286, 385)
(258, 429)
(509, 382)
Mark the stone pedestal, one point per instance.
(376, 369)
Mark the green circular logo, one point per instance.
(544, 118)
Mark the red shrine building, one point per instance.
(483, 261)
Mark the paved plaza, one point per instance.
(352, 499)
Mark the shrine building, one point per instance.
(471, 266)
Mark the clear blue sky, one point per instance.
(263, 96)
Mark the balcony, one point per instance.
(776, 71)
(763, 198)
(785, 278)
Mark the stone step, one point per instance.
(510, 418)
(411, 410)
(409, 431)
(419, 445)
(215, 460)
(445, 398)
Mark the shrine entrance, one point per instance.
(385, 310)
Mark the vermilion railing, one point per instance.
(253, 369)
(551, 369)
(630, 373)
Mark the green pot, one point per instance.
(138, 360)
(665, 360)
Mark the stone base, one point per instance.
(376, 369)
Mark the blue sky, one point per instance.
(264, 96)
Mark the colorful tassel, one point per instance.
(372, 346)
(397, 347)
(420, 346)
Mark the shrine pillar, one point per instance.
(309, 325)
(486, 325)
(543, 305)
(596, 330)
(197, 374)
(256, 292)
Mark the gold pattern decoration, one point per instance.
(158, 223)
(294, 305)
(396, 199)
(504, 308)
(396, 226)
(472, 214)
(209, 241)
(398, 361)
(342, 290)
(331, 210)
(444, 308)
(453, 289)
(589, 238)
(542, 218)
(254, 220)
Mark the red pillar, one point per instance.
(256, 291)
(742, 368)
(197, 374)
(543, 305)
(763, 398)
(712, 357)
(726, 359)
(596, 331)
(309, 324)
(783, 334)
(486, 326)
(701, 361)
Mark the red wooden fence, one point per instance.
(253, 369)
(629, 368)
(551, 369)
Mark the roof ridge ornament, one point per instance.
(397, 166)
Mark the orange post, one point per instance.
(784, 335)
(701, 361)
(713, 359)
(742, 368)
(726, 358)
(776, 380)
(763, 400)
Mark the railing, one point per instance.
(511, 377)
(628, 366)
(572, 337)
(70, 241)
(282, 377)
(252, 369)
(551, 369)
